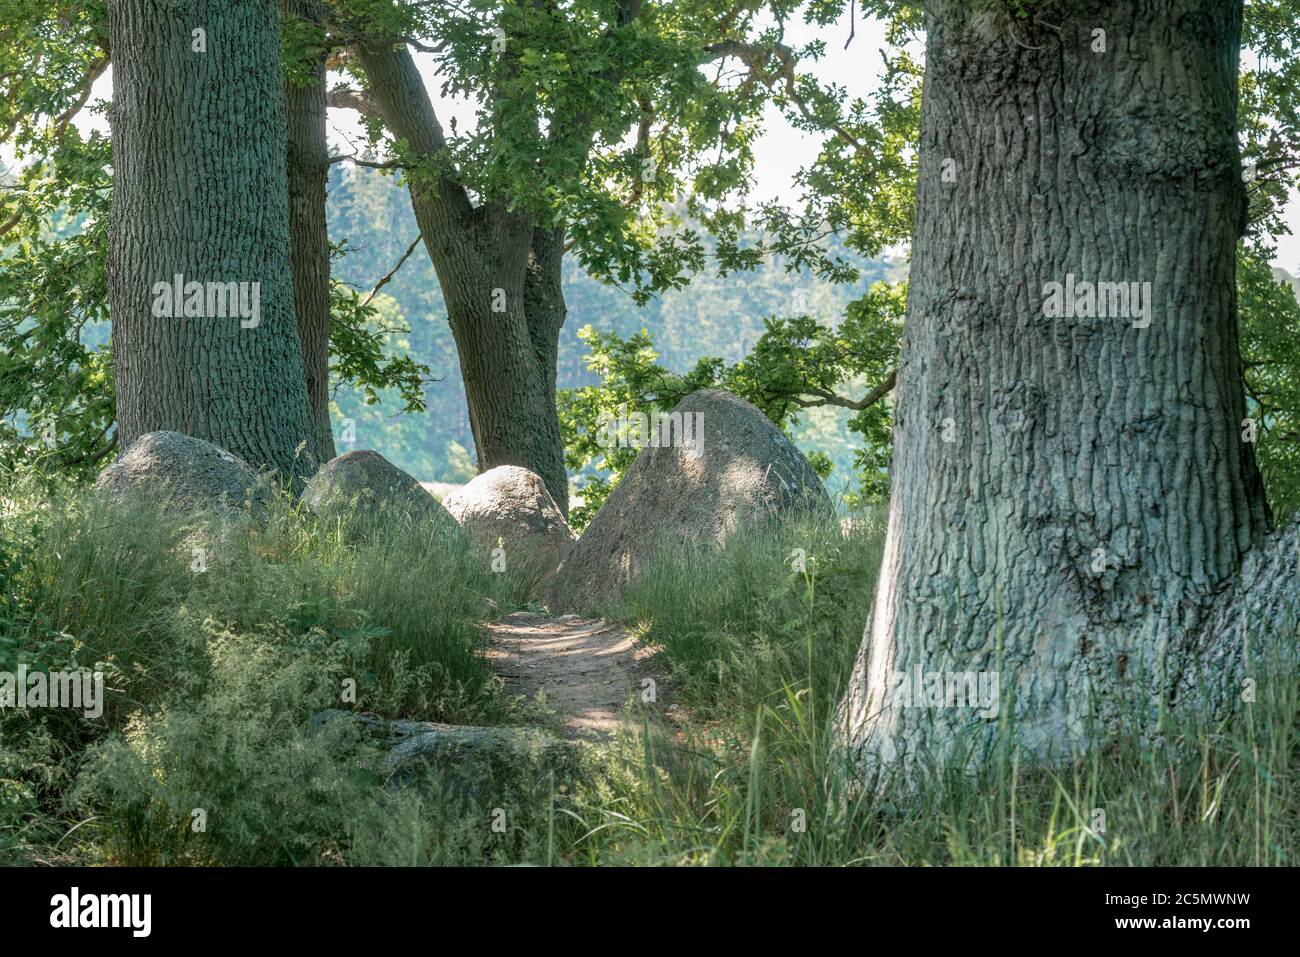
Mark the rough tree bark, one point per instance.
(500, 278)
(1072, 497)
(307, 168)
(544, 307)
(199, 191)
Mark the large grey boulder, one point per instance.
(363, 487)
(739, 469)
(509, 507)
(183, 473)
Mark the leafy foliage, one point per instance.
(624, 122)
(369, 348)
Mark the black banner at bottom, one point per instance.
(336, 906)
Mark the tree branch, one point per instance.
(96, 71)
(403, 103)
(756, 57)
(369, 164)
(349, 99)
(871, 398)
(393, 272)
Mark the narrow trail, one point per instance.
(586, 668)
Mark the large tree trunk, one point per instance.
(544, 314)
(199, 191)
(307, 167)
(506, 360)
(1071, 496)
(502, 294)
(544, 305)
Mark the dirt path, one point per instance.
(586, 667)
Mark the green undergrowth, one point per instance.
(220, 640)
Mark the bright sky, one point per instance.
(782, 149)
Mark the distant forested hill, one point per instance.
(713, 316)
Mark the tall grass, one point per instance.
(250, 626)
(131, 586)
(215, 674)
(734, 627)
(762, 654)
